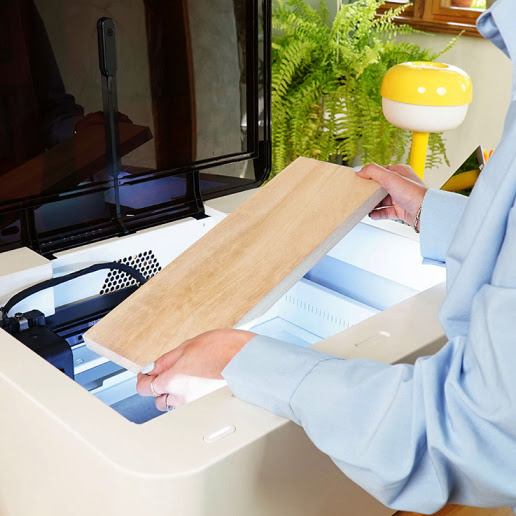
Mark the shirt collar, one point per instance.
(498, 24)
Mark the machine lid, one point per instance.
(190, 83)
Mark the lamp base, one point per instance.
(418, 153)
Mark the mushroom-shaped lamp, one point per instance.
(425, 98)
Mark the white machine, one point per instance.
(75, 438)
(70, 447)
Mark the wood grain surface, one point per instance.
(461, 510)
(240, 267)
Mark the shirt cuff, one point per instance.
(267, 372)
(440, 217)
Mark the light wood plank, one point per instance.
(242, 266)
(461, 510)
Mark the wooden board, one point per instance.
(240, 267)
(462, 510)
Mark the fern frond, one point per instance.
(326, 83)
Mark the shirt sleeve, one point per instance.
(440, 216)
(415, 437)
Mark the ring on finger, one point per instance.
(154, 393)
(169, 407)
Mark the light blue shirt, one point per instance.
(443, 430)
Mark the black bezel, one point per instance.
(199, 185)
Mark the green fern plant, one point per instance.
(326, 84)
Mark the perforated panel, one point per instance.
(144, 262)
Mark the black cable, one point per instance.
(137, 275)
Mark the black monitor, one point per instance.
(182, 104)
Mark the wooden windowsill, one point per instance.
(445, 27)
(430, 16)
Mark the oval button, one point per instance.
(377, 338)
(219, 434)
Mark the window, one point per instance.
(450, 16)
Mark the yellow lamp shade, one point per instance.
(425, 98)
(427, 84)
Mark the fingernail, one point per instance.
(148, 368)
(357, 169)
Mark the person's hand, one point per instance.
(404, 188)
(192, 369)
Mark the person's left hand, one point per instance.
(192, 369)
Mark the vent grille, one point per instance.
(144, 262)
(318, 312)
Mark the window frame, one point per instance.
(432, 16)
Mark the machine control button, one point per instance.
(378, 338)
(219, 434)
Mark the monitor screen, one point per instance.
(183, 113)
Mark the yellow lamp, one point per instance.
(425, 98)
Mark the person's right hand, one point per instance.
(404, 188)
